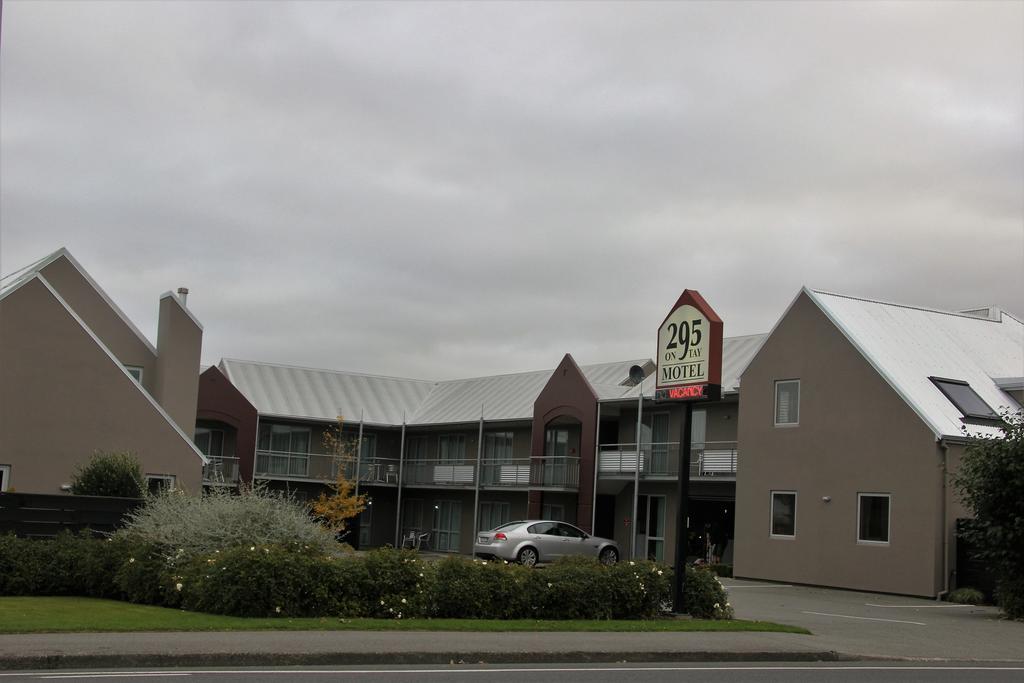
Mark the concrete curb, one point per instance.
(231, 659)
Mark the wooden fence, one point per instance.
(40, 515)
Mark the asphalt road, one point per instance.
(636, 673)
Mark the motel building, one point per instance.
(821, 456)
(819, 453)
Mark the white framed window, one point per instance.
(5, 477)
(135, 371)
(787, 402)
(783, 520)
(493, 514)
(874, 515)
(210, 442)
(155, 483)
(284, 438)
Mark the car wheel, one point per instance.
(527, 557)
(609, 556)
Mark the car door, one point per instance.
(574, 541)
(545, 536)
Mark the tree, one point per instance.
(109, 474)
(990, 481)
(336, 509)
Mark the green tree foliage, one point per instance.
(109, 474)
(990, 481)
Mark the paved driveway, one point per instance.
(882, 625)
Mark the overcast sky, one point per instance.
(450, 190)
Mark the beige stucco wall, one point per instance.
(855, 435)
(62, 397)
(179, 344)
(86, 302)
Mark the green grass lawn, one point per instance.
(53, 615)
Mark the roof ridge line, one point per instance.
(955, 314)
(332, 371)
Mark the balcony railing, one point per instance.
(220, 470)
(555, 472)
(457, 473)
(285, 465)
(709, 459)
(375, 471)
(505, 473)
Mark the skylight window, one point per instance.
(964, 398)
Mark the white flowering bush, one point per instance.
(174, 521)
(705, 596)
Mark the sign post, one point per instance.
(689, 369)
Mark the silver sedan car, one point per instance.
(539, 540)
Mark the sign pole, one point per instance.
(683, 496)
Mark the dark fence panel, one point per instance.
(970, 571)
(45, 515)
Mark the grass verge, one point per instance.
(69, 615)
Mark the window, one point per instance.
(451, 447)
(498, 447)
(369, 449)
(5, 477)
(553, 512)
(873, 517)
(416, 449)
(783, 514)
(964, 398)
(494, 514)
(787, 402)
(556, 441)
(210, 442)
(155, 483)
(284, 438)
(135, 371)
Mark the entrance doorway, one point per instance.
(604, 517)
(446, 531)
(650, 528)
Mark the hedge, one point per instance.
(297, 580)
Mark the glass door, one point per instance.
(659, 444)
(650, 528)
(447, 526)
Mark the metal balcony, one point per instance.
(507, 473)
(555, 472)
(708, 460)
(221, 470)
(439, 473)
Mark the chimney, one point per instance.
(178, 348)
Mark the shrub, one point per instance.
(966, 596)
(69, 564)
(721, 570)
(173, 522)
(990, 482)
(400, 584)
(258, 581)
(640, 589)
(476, 589)
(109, 474)
(704, 596)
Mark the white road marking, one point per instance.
(453, 670)
(847, 616)
(871, 604)
(774, 585)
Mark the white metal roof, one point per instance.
(312, 394)
(907, 345)
(737, 352)
(308, 393)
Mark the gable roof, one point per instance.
(312, 394)
(907, 345)
(15, 279)
(32, 274)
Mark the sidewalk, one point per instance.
(278, 648)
